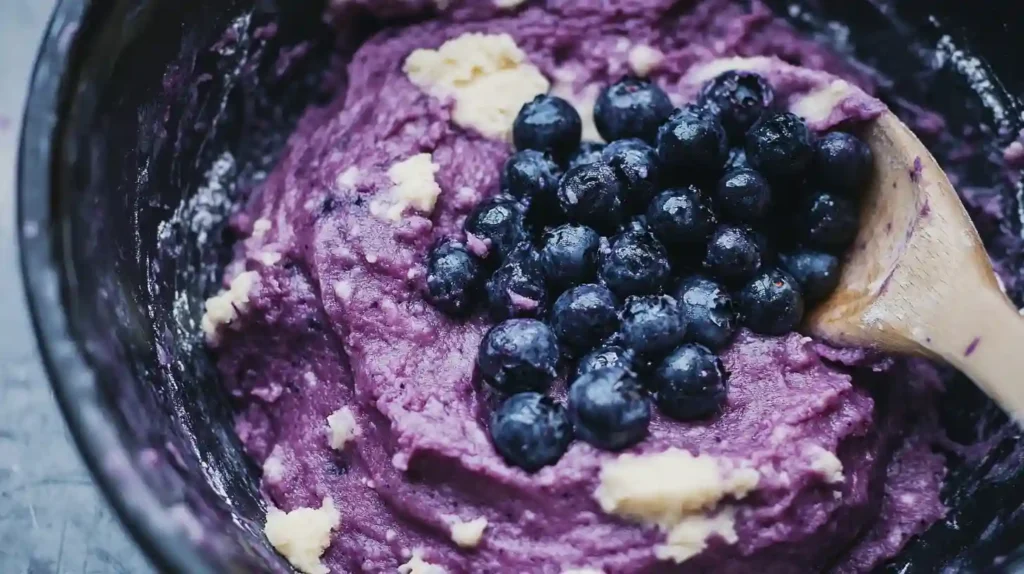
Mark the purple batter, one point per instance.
(338, 321)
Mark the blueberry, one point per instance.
(692, 142)
(681, 217)
(532, 178)
(497, 224)
(737, 159)
(531, 431)
(587, 153)
(519, 355)
(743, 196)
(592, 195)
(816, 273)
(548, 123)
(638, 168)
(691, 383)
(739, 99)
(608, 408)
(733, 254)
(651, 325)
(771, 303)
(780, 146)
(584, 316)
(828, 222)
(635, 264)
(631, 108)
(517, 288)
(454, 278)
(842, 163)
(707, 311)
(606, 356)
(569, 255)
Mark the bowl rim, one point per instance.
(74, 381)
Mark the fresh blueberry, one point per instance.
(531, 431)
(828, 222)
(532, 178)
(608, 408)
(592, 195)
(651, 325)
(771, 303)
(743, 196)
(691, 383)
(737, 159)
(496, 226)
(607, 356)
(584, 316)
(816, 273)
(739, 99)
(569, 255)
(548, 123)
(631, 108)
(637, 165)
(519, 355)
(707, 311)
(681, 217)
(780, 146)
(733, 254)
(587, 153)
(691, 143)
(842, 163)
(454, 278)
(517, 288)
(635, 264)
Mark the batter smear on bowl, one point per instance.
(425, 230)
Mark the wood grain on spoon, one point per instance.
(918, 279)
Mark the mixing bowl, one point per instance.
(148, 120)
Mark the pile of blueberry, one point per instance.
(637, 260)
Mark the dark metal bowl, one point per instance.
(146, 117)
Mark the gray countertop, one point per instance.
(53, 520)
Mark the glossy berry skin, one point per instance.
(737, 159)
(608, 408)
(531, 177)
(569, 255)
(780, 146)
(771, 303)
(739, 99)
(591, 195)
(707, 311)
(635, 264)
(517, 288)
(530, 431)
(733, 254)
(588, 152)
(828, 222)
(816, 273)
(606, 356)
(638, 168)
(681, 217)
(690, 383)
(548, 123)
(651, 325)
(584, 316)
(455, 279)
(692, 143)
(842, 163)
(743, 196)
(519, 355)
(498, 224)
(631, 108)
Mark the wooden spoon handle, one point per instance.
(983, 337)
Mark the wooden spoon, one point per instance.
(918, 280)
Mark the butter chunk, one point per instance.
(416, 565)
(468, 534)
(413, 186)
(342, 428)
(225, 307)
(488, 77)
(302, 535)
